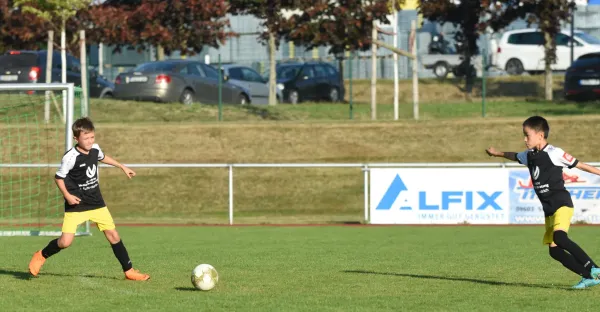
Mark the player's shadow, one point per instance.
(459, 279)
(17, 274)
(23, 275)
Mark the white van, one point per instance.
(523, 50)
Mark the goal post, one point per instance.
(33, 138)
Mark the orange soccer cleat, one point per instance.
(135, 275)
(36, 263)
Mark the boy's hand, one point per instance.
(72, 200)
(493, 152)
(130, 173)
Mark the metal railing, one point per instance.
(365, 167)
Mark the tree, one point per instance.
(275, 26)
(56, 12)
(344, 25)
(20, 30)
(547, 14)
(184, 25)
(466, 15)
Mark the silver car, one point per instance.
(184, 81)
(247, 78)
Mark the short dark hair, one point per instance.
(539, 124)
(82, 124)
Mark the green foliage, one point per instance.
(53, 11)
(184, 25)
(342, 25)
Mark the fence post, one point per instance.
(351, 112)
(366, 191)
(220, 90)
(483, 81)
(230, 194)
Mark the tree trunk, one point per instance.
(63, 72)
(374, 72)
(63, 53)
(272, 72)
(548, 74)
(84, 77)
(160, 53)
(49, 73)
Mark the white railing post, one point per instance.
(366, 186)
(230, 194)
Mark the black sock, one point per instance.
(563, 241)
(51, 249)
(569, 262)
(121, 254)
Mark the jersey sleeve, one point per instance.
(522, 157)
(562, 159)
(100, 153)
(67, 163)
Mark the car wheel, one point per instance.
(243, 99)
(334, 95)
(440, 69)
(107, 95)
(514, 67)
(187, 97)
(294, 97)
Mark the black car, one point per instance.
(311, 81)
(30, 67)
(582, 80)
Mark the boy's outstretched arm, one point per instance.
(110, 161)
(585, 167)
(508, 155)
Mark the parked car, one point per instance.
(248, 78)
(182, 81)
(582, 79)
(523, 50)
(311, 81)
(30, 67)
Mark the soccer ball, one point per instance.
(205, 277)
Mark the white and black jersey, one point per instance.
(546, 169)
(80, 173)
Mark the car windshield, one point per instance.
(285, 72)
(288, 72)
(18, 60)
(587, 38)
(592, 59)
(155, 67)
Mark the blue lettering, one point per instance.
(489, 200)
(588, 194)
(423, 205)
(469, 203)
(528, 194)
(447, 199)
(458, 197)
(576, 193)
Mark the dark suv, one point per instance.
(311, 81)
(30, 67)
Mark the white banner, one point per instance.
(439, 196)
(525, 207)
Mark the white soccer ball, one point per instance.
(205, 277)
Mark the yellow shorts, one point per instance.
(560, 220)
(100, 216)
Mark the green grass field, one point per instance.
(262, 268)
(302, 269)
